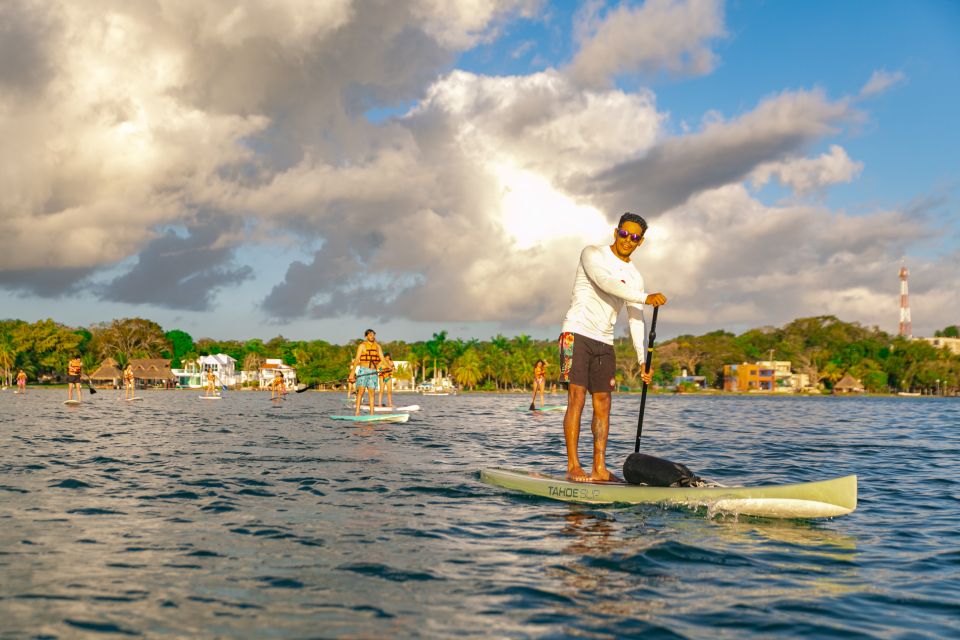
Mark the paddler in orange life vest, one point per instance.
(278, 387)
(211, 383)
(128, 383)
(365, 366)
(21, 382)
(386, 379)
(74, 371)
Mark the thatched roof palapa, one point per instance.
(151, 369)
(848, 384)
(108, 371)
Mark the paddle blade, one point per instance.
(640, 468)
(302, 387)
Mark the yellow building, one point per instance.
(749, 377)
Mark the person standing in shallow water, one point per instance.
(606, 281)
(364, 368)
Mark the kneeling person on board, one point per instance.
(606, 281)
(364, 367)
(74, 371)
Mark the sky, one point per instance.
(241, 169)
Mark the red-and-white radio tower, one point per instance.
(906, 329)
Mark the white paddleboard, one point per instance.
(132, 399)
(407, 409)
(383, 417)
(210, 397)
(71, 402)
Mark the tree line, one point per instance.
(823, 347)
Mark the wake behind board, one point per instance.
(823, 499)
(383, 417)
(546, 407)
(71, 403)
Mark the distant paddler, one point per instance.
(278, 387)
(211, 388)
(129, 383)
(606, 281)
(22, 381)
(386, 379)
(364, 367)
(74, 372)
(539, 382)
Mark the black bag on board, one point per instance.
(658, 472)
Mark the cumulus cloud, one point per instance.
(121, 118)
(804, 175)
(660, 35)
(726, 260)
(450, 224)
(880, 81)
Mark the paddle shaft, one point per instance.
(646, 366)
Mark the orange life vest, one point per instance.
(370, 357)
(75, 367)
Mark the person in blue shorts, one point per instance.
(365, 367)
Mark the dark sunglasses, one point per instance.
(635, 237)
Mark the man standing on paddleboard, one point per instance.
(365, 367)
(606, 280)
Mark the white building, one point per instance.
(269, 369)
(953, 344)
(222, 366)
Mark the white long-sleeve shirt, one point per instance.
(604, 283)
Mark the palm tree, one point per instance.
(8, 359)
(466, 369)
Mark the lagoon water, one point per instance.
(175, 517)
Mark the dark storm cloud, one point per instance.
(723, 153)
(180, 272)
(46, 283)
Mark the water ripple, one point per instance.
(245, 520)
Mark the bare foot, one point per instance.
(577, 474)
(603, 475)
